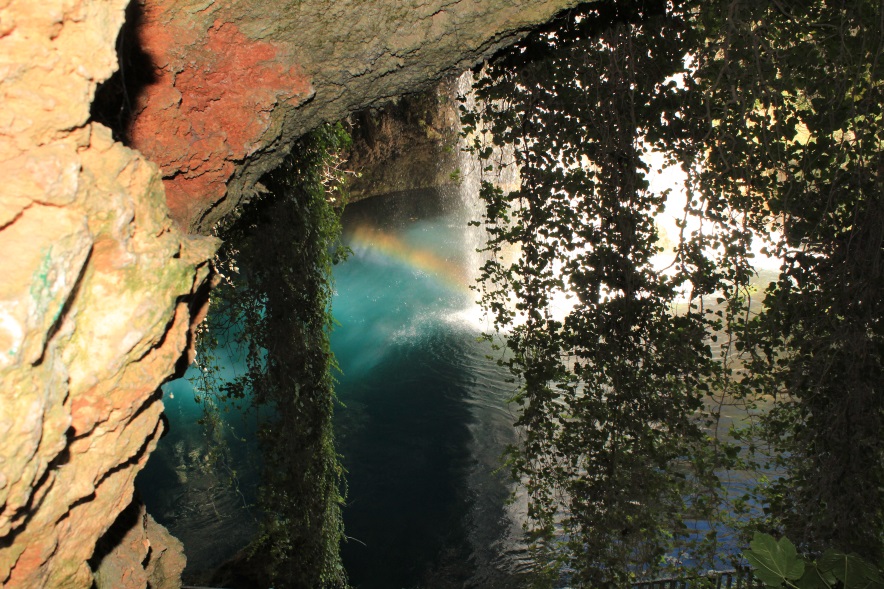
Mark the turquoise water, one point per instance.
(421, 429)
(200, 502)
(425, 418)
(423, 423)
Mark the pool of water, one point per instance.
(421, 428)
(425, 418)
(204, 503)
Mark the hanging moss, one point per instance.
(276, 267)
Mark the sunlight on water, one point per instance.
(425, 418)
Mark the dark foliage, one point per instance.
(285, 246)
(790, 95)
(610, 387)
(777, 122)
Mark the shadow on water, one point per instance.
(408, 458)
(199, 500)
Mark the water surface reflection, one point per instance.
(425, 418)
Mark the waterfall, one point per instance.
(503, 173)
(426, 418)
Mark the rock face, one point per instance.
(101, 286)
(98, 293)
(405, 145)
(233, 82)
(138, 552)
(211, 101)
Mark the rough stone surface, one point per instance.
(101, 287)
(408, 144)
(233, 83)
(138, 552)
(95, 299)
(210, 103)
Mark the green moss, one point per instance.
(285, 246)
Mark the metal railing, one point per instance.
(732, 579)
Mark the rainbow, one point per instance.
(394, 248)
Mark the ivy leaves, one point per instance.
(279, 309)
(778, 124)
(777, 564)
(610, 385)
(787, 99)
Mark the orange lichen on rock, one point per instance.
(208, 106)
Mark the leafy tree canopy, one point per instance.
(773, 108)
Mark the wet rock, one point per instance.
(408, 144)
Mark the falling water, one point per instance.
(425, 418)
